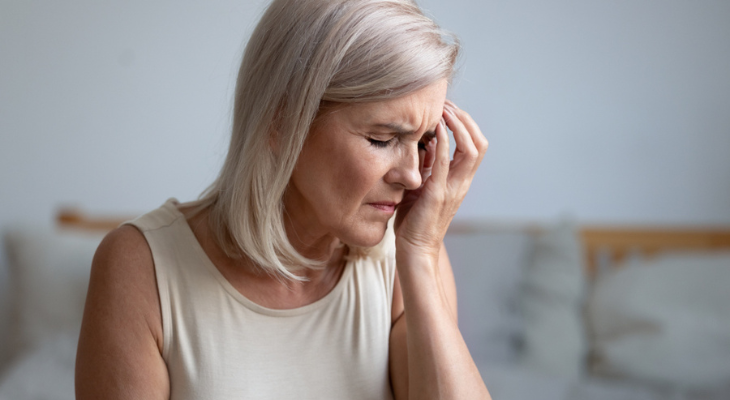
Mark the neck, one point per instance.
(306, 234)
(314, 245)
(329, 251)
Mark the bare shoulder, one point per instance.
(119, 354)
(125, 243)
(123, 270)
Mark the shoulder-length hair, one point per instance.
(303, 54)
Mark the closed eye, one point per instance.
(380, 143)
(386, 143)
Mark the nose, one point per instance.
(406, 169)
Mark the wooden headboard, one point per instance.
(617, 243)
(613, 243)
(77, 219)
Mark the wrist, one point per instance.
(417, 252)
(417, 269)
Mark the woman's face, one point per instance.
(357, 163)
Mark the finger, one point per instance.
(430, 152)
(480, 142)
(428, 159)
(451, 104)
(466, 154)
(421, 160)
(440, 169)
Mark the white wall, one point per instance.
(114, 106)
(612, 110)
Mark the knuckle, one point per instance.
(482, 144)
(467, 117)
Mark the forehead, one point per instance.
(416, 112)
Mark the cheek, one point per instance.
(360, 174)
(356, 176)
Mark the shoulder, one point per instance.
(120, 345)
(123, 277)
(125, 244)
(123, 260)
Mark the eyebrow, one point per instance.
(402, 131)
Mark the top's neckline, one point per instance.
(172, 204)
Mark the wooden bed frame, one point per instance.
(612, 243)
(615, 243)
(71, 218)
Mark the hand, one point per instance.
(424, 214)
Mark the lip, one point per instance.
(385, 206)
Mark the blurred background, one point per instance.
(611, 112)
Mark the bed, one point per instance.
(561, 311)
(549, 311)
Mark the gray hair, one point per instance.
(303, 54)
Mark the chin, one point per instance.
(366, 236)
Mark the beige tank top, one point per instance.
(218, 344)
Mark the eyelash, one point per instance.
(386, 143)
(380, 143)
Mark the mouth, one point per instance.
(384, 206)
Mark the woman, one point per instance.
(285, 280)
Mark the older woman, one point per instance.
(286, 279)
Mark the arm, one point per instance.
(119, 353)
(429, 359)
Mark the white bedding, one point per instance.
(515, 383)
(488, 277)
(46, 373)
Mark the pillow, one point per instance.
(551, 304)
(665, 321)
(43, 373)
(48, 279)
(488, 269)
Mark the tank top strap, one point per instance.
(165, 230)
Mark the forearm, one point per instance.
(439, 363)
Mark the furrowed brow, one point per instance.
(392, 127)
(403, 131)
